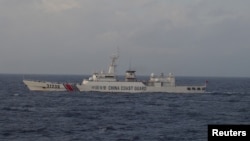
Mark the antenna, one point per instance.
(115, 56)
(130, 67)
(117, 51)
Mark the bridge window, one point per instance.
(188, 88)
(193, 88)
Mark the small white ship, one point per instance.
(108, 82)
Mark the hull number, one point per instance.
(53, 86)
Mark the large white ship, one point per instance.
(108, 82)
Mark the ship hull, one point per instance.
(111, 87)
(137, 87)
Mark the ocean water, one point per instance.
(80, 116)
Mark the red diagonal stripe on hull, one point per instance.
(68, 87)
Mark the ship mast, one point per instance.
(113, 65)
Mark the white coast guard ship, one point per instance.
(107, 82)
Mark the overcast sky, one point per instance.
(185, 37)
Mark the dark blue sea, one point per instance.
(81, 116)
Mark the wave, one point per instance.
(228, 92)
(20, 109)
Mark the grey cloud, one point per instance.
(194, 37)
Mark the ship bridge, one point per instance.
(130, 76)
